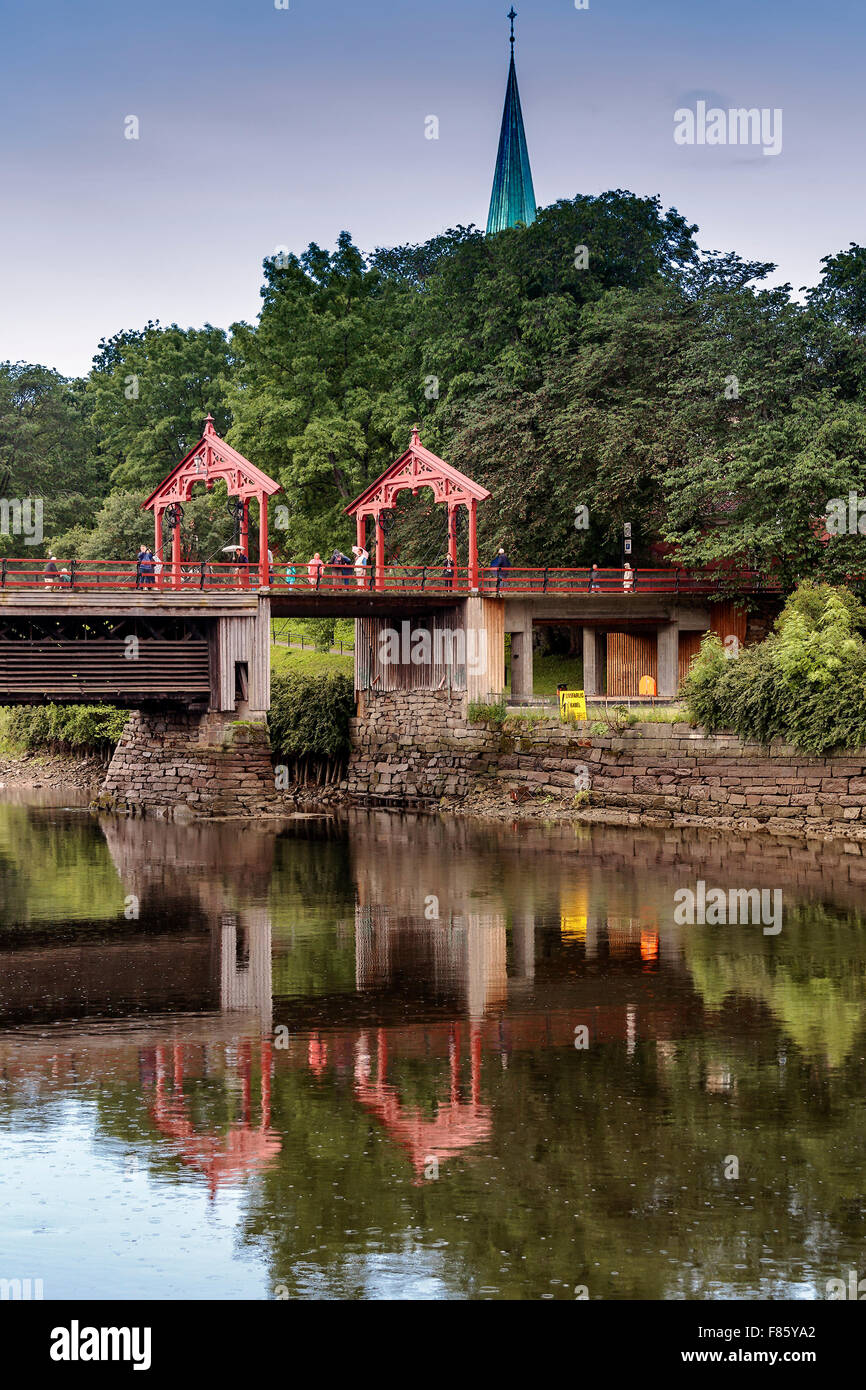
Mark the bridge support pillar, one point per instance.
(668, 660)
(176, 765)
(522, 676)
(593, 661)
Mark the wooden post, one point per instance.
(245, 536)
(177, 578)
(380, 551)
(264, 569)
(157, 542)
(473, 544)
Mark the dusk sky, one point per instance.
(262, 127)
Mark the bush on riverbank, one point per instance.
(309, 724)
(805, 684)
(94, 729)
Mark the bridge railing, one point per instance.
(304, 577)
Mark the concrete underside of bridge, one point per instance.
(625, 636)
(657, 621)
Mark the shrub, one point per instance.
(491, 711)
(806, 683)
(310, 716)
(63, 728)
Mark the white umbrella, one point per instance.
(232, 547)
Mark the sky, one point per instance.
(261, 128)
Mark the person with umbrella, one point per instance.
(241, 561)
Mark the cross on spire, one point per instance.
(512, 15)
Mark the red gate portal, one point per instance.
(415, 469)
(209, 461)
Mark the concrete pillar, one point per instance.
(521, 663)
(593, 661)
(668, 640)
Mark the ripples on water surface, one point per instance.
(252, 1061)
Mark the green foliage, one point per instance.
(151, 391)
(317, 397)
(62, 728)
(294, 662)
(323, 632)
(491, 711)
(46, 443)
(806, 683)
(841, 294)
(652, 383)
(615, 719)
(310, 715)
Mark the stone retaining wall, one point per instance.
(419, 747)
(183, 765)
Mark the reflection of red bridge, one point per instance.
(364, 1056)
(222, 1158)
(459, 1124)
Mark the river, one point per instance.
(390, 1056)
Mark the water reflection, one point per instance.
(362, 1041)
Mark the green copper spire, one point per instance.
(513, 197)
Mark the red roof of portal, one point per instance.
(417, 467)
(208, 460)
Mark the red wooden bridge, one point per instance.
(168, 626)
(333, 581)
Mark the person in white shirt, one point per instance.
(361, 558)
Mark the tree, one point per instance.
(840, 294)
(151, 392)
(46, 443)
(318, 400)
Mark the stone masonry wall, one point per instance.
(181, 765)
(419, 747)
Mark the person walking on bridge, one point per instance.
(51, 573)
(314, 570)
(502, 564)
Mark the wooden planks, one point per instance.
(630, 656)
(728, 620)
(690, 645)
(103, 669)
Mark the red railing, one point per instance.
(220, 576)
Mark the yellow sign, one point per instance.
(572, 704)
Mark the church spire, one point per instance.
(513, 197)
